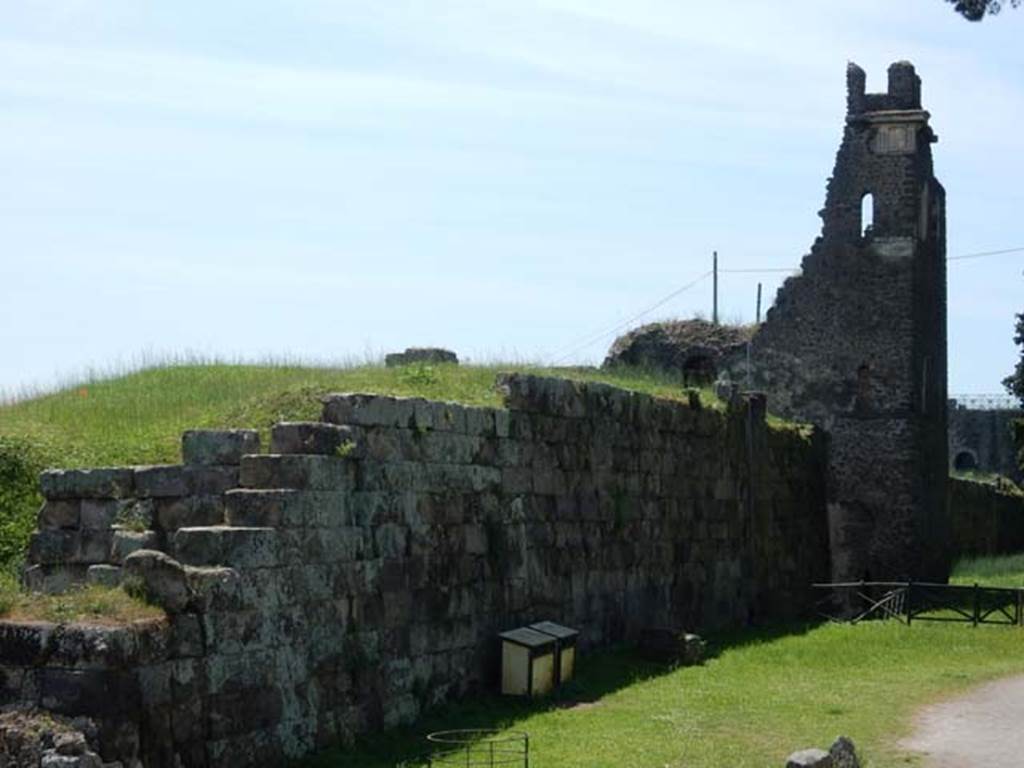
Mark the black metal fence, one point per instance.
(909, 601)
(475, 748)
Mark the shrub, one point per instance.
(20, 465)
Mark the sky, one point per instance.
(325, 180)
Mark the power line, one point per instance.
(586, 341)
(980, 254)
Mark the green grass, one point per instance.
(1000, 571)
(85, 605)
(762, 696)
(1003, 483)
(139, 417)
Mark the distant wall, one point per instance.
(360, 572)
(986, 520)
(984, 438)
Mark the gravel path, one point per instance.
(981, 729)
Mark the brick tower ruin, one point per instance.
(857, 342)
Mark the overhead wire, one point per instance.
(585, 341)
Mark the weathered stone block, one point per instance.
(809, 758)
(108, 482)
(53, 546)
(844, 754)
(125, 542)
(265, 508)
(370, 410)
(162, 577)
(218, 446)
(59, 513)
(313, 438)
(103, 575)
(254, 547)
(185, 638)
(53, 579)
(311, 473)
(189, 512)
(430, 355)
(100, 514)
(161, 481)
(95, 545)
(211, 480)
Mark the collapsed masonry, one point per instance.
(856, 344)
(361, 571)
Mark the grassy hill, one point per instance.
(138, 418)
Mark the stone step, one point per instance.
(312, 437)
(297, 471)
(236, 547)
(248, 507)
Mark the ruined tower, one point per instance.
(856, 343)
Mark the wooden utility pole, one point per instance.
(758, 303)
(714, 300)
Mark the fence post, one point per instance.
(910, 603)
(977, 605)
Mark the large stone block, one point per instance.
(103, 575)
(305, 437)
(189, 511)
(59, 513)
(104, 483)
(211, 480)
(161, 481)
(163, 578)
(265, 508)
(218, 446)
(430, 355)
(255, 547)
(53, 579)
(371, 410)
(311, 473)
(100, 514)
(125, 542)
(53, 546)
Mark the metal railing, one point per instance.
(996, 402)
(476, 748)
(909, 601)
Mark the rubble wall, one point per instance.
(359, 572)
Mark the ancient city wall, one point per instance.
(986, 519)
(359, 572)
(983, 439)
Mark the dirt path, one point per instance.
(981, 729)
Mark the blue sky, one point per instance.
(329, 179)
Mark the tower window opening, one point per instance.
(867, 214)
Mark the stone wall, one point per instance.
(986, 519)
(360, 571)
(983, 439)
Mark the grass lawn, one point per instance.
(1002, 571)
(760, 697)
(138, 418)
(94, 605)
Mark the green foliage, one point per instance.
(760, 696)
(20, 465)
(1014, 383)
(976, 10)
(345, 450)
